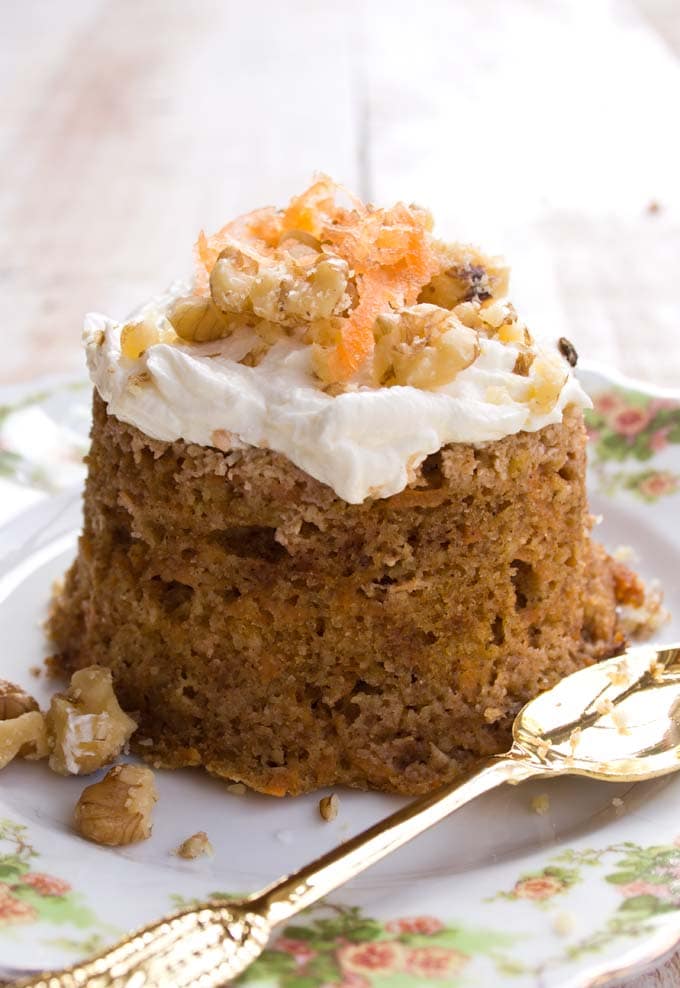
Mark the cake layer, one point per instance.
(267, 629)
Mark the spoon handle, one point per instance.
(204, 947)
(290, 895)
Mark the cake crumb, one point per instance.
(540, 804)
(492, 714)
(604, 707)
(619, 675)
(195, 846)
(574, 739)
(35, 671)
(329, 807)
(624, 554)
(656, 670)
(641, 621)
(563, 923)
(542, 748)
(620, 720)
(237, 789)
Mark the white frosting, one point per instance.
(363, 443)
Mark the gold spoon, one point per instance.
(618, 720)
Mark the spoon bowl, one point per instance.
(617, 720)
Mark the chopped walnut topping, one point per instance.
(282, 288)
(547, 378)
(117, 810)
(329, 806)
(23, 736)
(14, 701)
(424, 346)
(466, 275)
(137, 337)
(195, 846)
(523, 362)
(198, 319)
(87, 727)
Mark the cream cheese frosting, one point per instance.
(365, 442)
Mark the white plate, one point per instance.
(497, 895)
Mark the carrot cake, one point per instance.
(336, 528)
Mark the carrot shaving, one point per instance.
(388, 250)
(260, 228)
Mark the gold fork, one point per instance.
(618, 721)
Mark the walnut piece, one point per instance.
(424, 346)
(87, 727)
(329, 807)
(117, 810)
(198, 319)
(466, 275)
(24, 736)
(14, 701)
(137, 337)
(285, 289)
(195, 846)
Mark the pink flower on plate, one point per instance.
(631, 421)
(425, 925)
(378, 956)
(657, 484)
(608, 403)
(13, 910)
(541, 887)
(435, 962)
(659, 439)
(299, 950)
(644, 888)
(45, 884)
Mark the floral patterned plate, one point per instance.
(575, 895)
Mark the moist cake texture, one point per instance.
(280, 634)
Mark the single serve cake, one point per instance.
(335, 526)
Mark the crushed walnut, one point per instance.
(329, 807)
(196, 846)
(14, 701)
(22, 726)
(424, 347)
(372, 292)
(117, 810)
(87, 727)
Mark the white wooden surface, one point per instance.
(543, 129)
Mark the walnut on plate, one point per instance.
(22, 726)
(195, 846)
(117, 810)
(86, 725)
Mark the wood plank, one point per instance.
(543, 131)
(147, 122)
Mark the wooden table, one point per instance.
(543, 129)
